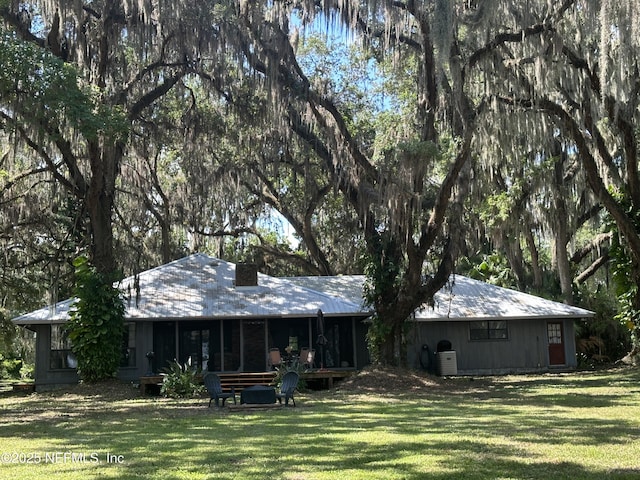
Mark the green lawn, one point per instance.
(581, 425)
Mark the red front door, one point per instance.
(555, 336)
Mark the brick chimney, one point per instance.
(246, 275)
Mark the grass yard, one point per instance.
(379, 425)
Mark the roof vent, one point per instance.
(246, 275)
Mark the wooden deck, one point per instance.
(327, 377)
(239, 380)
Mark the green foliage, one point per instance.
(181, 382)
(626, 273)
(96, 326)
(44, 89)
(27, 371)
(294, 366)
(7, 332)
(493, 269)
(10, 367)
(16, 350)
(601, 339)
(377, 333)
(382, 267)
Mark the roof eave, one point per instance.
(494, 318)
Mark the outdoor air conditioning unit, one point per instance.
(447, 363)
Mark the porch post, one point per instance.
(354, 344)
(177, 345)
(265, 349)
(242, 345)
(222, 367)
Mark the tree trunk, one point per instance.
(535, 258)
(514, 255)
(560, 219)
(105, 161)
(391, 348)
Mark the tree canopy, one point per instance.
(419, 138)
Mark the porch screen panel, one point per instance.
(254, 352)
(338, 352)
(194, 346)
(128, 358)
(293, 332)
(164, 345)
(60, 350)
(231, 345)
(214, 360)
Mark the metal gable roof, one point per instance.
(466, 299)
(200, 286)
(463, 299)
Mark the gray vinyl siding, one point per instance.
(525, 349)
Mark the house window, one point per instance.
(129, 346)
(60, 355)
(488, 330)
(62, 358)
(554, 333)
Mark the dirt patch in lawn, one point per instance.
(108, 390)
(388, 379)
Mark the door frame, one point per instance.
(556, 346)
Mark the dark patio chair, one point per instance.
(214, 387)
(288, 387)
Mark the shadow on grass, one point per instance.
(516, 427)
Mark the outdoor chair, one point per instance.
(214, 387)
(306, 357)
(288, 387)
(275, 360)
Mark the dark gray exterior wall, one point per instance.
(47, 378)
(526, 349)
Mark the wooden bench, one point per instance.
(240, 381)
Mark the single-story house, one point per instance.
(492, 330)
(217, 316)
(212, 315)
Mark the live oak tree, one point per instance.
(399, 195)
(78, 83)
(569, 72)
(125, 57)
(183, 120)
(535, 208)
(541, 70)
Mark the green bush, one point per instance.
(294, 367)
(96, 326)
(10, 368)
(27, 371)
(181, 382)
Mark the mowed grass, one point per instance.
(573, 426)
